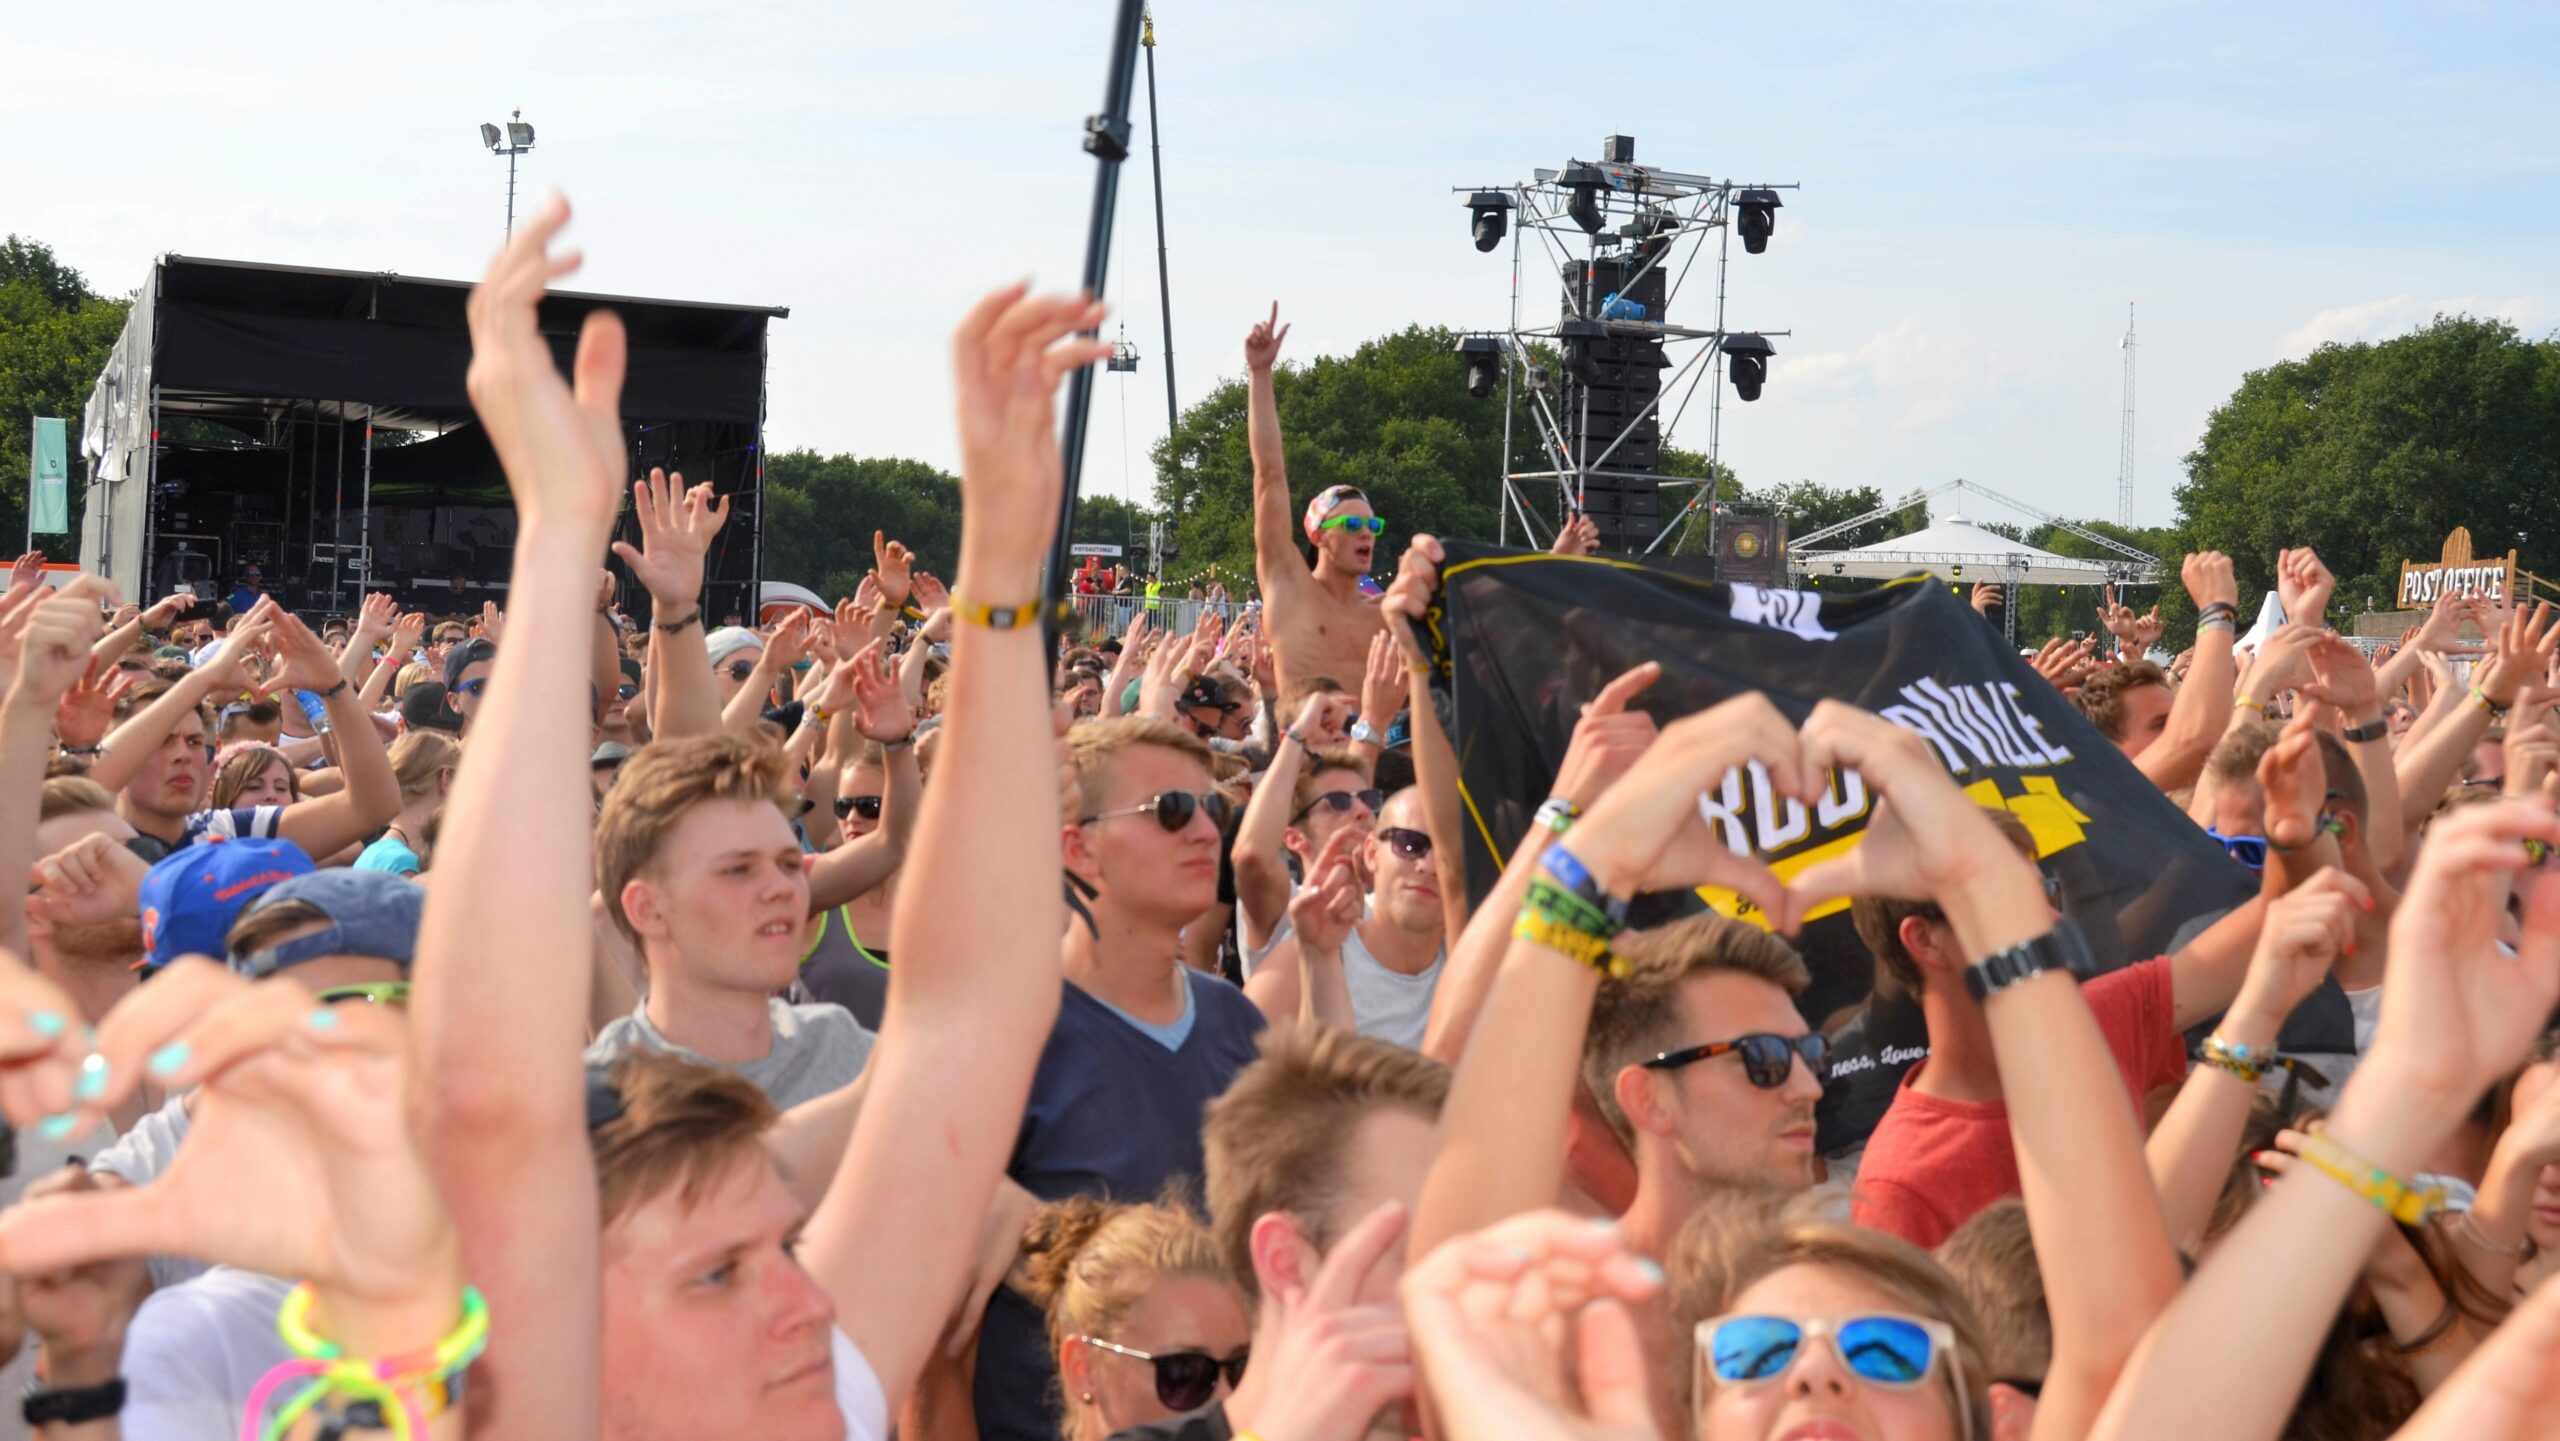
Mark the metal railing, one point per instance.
(1099, 615)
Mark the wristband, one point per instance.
(1590, 950)
(1554, 903)
(819, 718)
(1558, 814)
(691, 617)
(1010, 617)
(901, 743)
(2402, 1202)
(333, 690)
(2368, 732)
(2496, 711)
(2246, 1062)
(1575, 879)
(2218, 610)
(2256, 705)
(1290, 733)
(2217, 622)
(72, 1405)
(395, 1385)
(98, 750)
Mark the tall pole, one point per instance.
(1164, 276)
(1106, 139)
(2124, 443)
(511, 192)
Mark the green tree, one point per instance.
(54, 339)
(2371, 452)
(1393, 418)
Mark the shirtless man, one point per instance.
(1320, 623)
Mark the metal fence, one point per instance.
(1101, 615)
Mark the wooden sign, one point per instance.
(2457, 571)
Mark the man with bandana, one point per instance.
(1320, 621)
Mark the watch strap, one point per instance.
(2371, 731)
(72, 1405)
(2063, 948)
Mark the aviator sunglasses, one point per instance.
(1883, 1349)
(1173, 809)
(1339, 801)
(1185, 1380)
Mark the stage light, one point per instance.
(1747, 361)
(1585, 182)
(1956, 573)
(489, 136)
(519, 135)
(1759, 218)
(1538, 377)
(1492, 211)
(1482, 357)
(1839, 567)
(1578, 336)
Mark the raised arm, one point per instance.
(977, 986)
(1435, 760)
(1273, 538)
(45, 638)
(676, 527)
(2346, 681)
(867, 703)
(1285, 983)
(1261, 861)
(2456, 1013)
(2202, 709)
(2521, 653)
(129, 745)
(782, 650)
(500, 1006)
(328, 824)
(2079, 1152)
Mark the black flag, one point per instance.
(1523, 639)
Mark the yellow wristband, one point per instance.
(993, 617)
(2256, 705)
(1579, 945)
(2406, 1204)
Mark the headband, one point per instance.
(1325, 503)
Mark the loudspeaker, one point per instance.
(1752, 549)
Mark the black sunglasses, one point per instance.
(627, 690)
(1373, 798)
(1411, 844)
(1174, 809)
(1767, 1058)
(739, 670)
(867, 807)
(1185, 1380)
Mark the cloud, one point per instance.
(2397, 314)
(1924, 377)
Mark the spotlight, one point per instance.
(1759, 218)
(1747, 360)
(1578, 337)
(1537, 377)
(1955, 573)
(519, 134)
(489, 136)
(1481, 355)
(1492, 211)
(1585, 182)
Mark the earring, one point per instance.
(1087, 1398)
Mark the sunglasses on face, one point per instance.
(1174, 809)
(867, 807)
(627, 689)
(739, 670)
(478, 685)
(1356, 524)
(1411, 844)
(1340, 802)
(2250, 851)
(1185, 1380)
(1767, 1058)
(1883, 1350)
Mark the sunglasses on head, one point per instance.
(1185, 1380)
(1340, 801)
(1356, 524)
(1174, 809)
(2250, 851)
(739, 670)
(1411, 844)
(1767, 1058)
(1882, 1349)
(477, 685)
(867, 807)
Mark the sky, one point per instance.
(1985, 188)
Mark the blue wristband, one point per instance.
(1575, 877)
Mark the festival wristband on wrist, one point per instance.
(2248, 703)
(1558, 814)
(2496, 711)
(670, 627)
(1575, 879)
(2246, 1062)
(2409, 1205)
(406, 1391)
(1582, 946)
(992, 617)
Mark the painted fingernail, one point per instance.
(58, 1126)
(47, 1024)
(170, 1057)
(1651, 1268)
(93, 1078)
(321, 1018)
(1604, 1223)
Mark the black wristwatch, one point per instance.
(2359, 735)
(72, 1405)
(2061, 949)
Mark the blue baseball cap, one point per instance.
(371, 913)
(190, 899)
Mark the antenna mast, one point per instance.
(2124, 442)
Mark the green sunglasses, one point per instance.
(380, 993)
(1373, 524)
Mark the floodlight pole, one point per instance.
(1106, 139)
(511, 192)
(1164, 275)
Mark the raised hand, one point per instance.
(2345, 678)
(2146, 629)
(2065, 662)
(2295, 781)
(2307, 929)
(1647, 832)
(676, 528)
(2283, 660)
(1335, 1363)
(1262, 343)
(1008, 356)
(884, 714)
(1408, 597)
(562, 449)
(41, 1044)
(2533, 765)
(307, 664)
(80, 1314)
(229, 666)
(929, 593)
(1523, 1333)
(1328, 906)
(2119, 619)
(1382, 688)
(88, 709)
(405, 634)
(27, 572)
(894, 564)
(53, 638)
(2440, 633)
(2520, 655)
(2303, 585)
(789, 642)
(2459, 1011)
(375, 616)
(91, 880)
(1578, 536)
(165, 612)
(2208, 577)
(1987, 596)
(1608, 738)
(492, 622)
(1323, 720)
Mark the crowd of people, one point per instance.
(548, 1025)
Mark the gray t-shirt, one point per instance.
(816, 1049)
(1389, 1005)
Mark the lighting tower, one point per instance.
(2124, 441)
(517, 140)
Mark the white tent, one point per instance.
(1956, 549)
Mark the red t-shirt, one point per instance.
(1932, 1163)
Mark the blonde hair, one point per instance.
(420, 756)
(659, 784)
(1094, 745)
(1085, 1262)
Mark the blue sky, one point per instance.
(1986, 186)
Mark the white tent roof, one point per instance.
(1952, 547)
